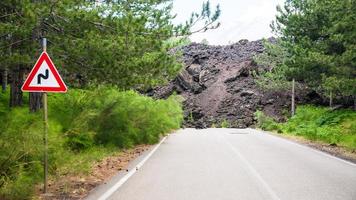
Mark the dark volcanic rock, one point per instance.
(218, 85)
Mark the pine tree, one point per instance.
(320, 37)
(111, 42)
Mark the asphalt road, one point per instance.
(235, 164)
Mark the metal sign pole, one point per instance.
(293, 97)
(45, 136)
(54, 83)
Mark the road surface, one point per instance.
(235, 164)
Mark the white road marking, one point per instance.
(253, 171)
(118, 184)
(305, 147)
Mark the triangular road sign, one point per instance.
(44, 77)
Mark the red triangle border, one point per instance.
(44, 58)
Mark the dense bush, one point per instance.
(85, 125)
(265, 122)
(317, 123)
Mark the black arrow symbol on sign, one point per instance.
(40, 76)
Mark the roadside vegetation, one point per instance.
(223, 124)
(105, 52)
(336, 128)
(85, 126)
(316, 48)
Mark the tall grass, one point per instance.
(85, 126)
(317, 123)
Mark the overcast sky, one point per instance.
(240, 19)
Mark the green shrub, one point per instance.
(320, 123)
(21, 150)
(20, 188)
(84, 126)
(224, 124)
(79, 140)
(131, 119)
(264, 122)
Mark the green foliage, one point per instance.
(190, 117)
(265, 122)
(320, 38)
(20, 188)
(317, 123)
(85, 125)
(113, 42)
(107, 116)
(274, 55)
(213, 125)
(224, 124)
(272, 69)
(178, 41)
(121, 43)
(20, 152)
(78, 140)
(129, 119)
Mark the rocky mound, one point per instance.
(218, 86)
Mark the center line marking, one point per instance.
(253, 171)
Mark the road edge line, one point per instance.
(307, 147)
(118, 184)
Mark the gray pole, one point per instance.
(293, 97)
(45, 136)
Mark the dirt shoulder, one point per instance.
(79, 186)
(333, 150)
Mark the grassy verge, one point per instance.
(316, 124)
(85, 126)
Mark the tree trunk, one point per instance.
(35, 101)
(4, 80)
(331, 99)
(15, 87)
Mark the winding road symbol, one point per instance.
(40, 76)
(44, 77)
